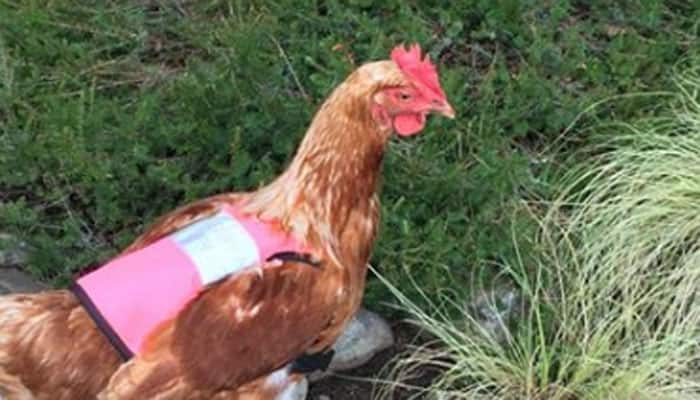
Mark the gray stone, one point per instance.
(15, 281)
(12, 252)
(496, 310)
(366, 335)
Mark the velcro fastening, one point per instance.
(309, 363)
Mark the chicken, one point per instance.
(238, 337)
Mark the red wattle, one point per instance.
(409, 124)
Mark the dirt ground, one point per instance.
(354, 384)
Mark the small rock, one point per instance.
(16, 281)
(12, 252)
(324, 397)
(366, 335)
(496, 310)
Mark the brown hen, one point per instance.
(237, 338)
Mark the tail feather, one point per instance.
(50, 347)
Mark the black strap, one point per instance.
(295, 257)
(312, 362)
(101, 322)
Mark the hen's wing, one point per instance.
(180, 218)
(242, 328)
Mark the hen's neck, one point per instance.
(334, 173)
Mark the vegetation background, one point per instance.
(112, 113)
(115, 112)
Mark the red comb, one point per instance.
(420, 69)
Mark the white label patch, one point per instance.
(218, 246)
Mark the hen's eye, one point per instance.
(404, 96)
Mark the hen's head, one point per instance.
(407, 89)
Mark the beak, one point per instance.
(445, 110)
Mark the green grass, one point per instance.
(611, 291)
(112, 113)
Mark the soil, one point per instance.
(357, 384)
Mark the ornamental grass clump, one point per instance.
(610, 292)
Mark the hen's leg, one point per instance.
(279, 385)
(282, 385)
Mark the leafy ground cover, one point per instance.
(112, 113)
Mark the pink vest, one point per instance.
(132, 294)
